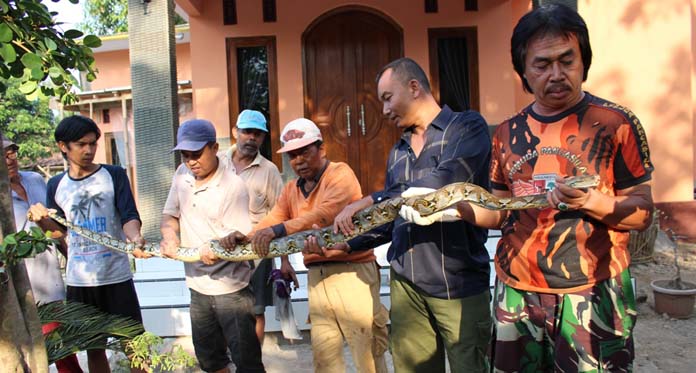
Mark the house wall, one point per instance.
(114, 72)
(494, 20)
(643, 58)
(114, 67)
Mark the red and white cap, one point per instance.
(299, 133)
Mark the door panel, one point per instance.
(327, 100)
(343, 53)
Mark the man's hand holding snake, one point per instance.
(37, 212)
(260, 241)
(410, 214)
(565, 198)
(169, 247)
(233, 239)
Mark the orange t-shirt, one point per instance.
(337, 187)
(546, 250)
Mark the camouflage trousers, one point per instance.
(586, 331)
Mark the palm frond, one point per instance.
(84, 327)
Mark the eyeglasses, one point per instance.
(11, 154)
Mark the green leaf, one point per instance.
(28, 87)
(90, 77)
(50, 44)
(33, 96)
(73, 34)
(31, 60)
(24, 249)
(37, 233)
(92, 41)
(10, 240)
(54, 72)
(8, 53)
(5, 33)
(40, 247)
(58, 79)
(37, 73)
(4, 7)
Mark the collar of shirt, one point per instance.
(255, 162)
(441, 122)
(214, 181)
(301, 181)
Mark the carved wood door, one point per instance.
(343, 52)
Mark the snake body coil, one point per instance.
(364, 221)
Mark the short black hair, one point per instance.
(75, 127)
(406, 69)
(551, 19)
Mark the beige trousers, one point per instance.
(344, 304)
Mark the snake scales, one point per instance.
(364, 221)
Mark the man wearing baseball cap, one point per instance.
(264, 183)
(44, 269)
(343, 287)
(207, 200)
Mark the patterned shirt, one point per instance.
(552, 251)
(101, 202)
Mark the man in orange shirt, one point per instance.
(343, 288)
(563, 299)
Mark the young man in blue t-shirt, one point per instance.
(97, 197)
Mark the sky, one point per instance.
(68, 13)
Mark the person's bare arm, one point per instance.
(344, 220)
(169, 228)
(132, 231)
(631, 208)
(38, 213)
(482, 217)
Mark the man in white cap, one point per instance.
(207, 200)
(264, 183)
(343, 288)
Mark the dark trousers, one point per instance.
(222, 322)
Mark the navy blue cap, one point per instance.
(194, 134)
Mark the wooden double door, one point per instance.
(343, 52)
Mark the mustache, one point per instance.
(557, 87)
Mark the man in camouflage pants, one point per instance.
(563, 299)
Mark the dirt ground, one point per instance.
(664, 344)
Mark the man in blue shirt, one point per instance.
(440, 273)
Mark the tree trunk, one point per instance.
(22, 347)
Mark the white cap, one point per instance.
(299, 133)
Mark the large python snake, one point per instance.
(364, 221)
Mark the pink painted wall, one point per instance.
(644, 60)
(209, 61)
(114, 67)
(114, 72)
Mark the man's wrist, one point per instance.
(593, 199)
